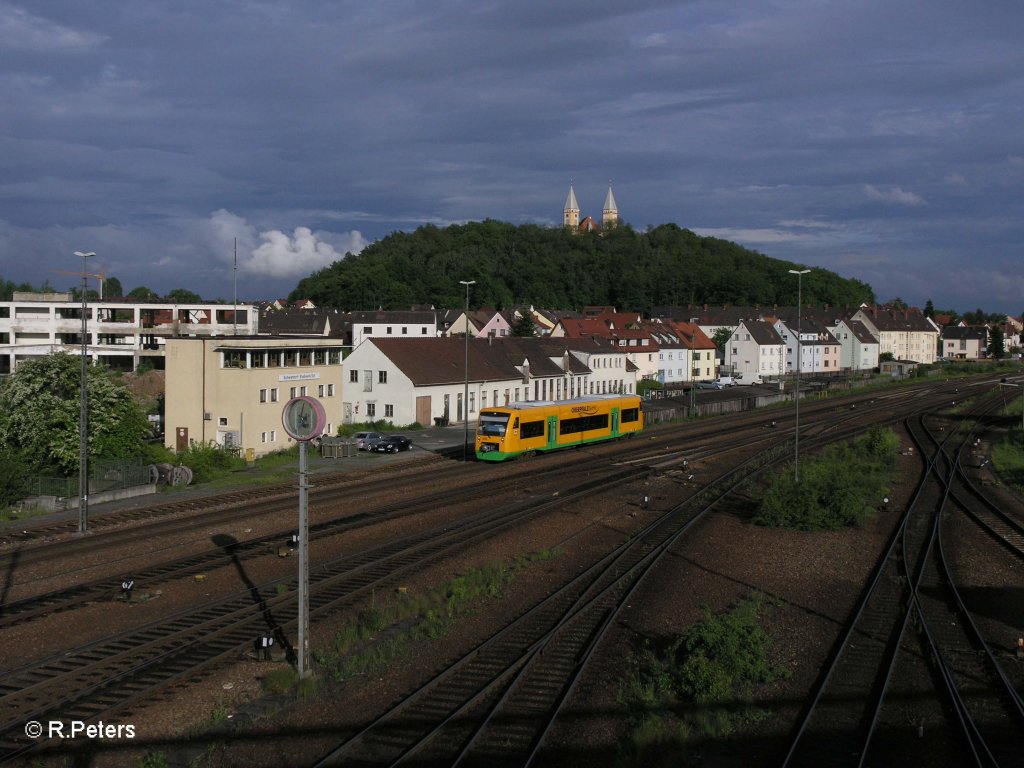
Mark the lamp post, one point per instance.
(799, 310)
(83, 409)
(465, 396)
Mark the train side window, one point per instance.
(532, 429)
(515, 424)
(630, 414)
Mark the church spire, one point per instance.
(610, 214)
(571, 213)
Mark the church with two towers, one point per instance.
(571, 214)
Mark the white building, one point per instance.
(755, 347)
(119, 334)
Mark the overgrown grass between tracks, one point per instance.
(696, 686)
(1008, 459)
(385, 631)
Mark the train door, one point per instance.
(552, 431)
(615, 421)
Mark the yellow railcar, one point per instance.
(524, 428)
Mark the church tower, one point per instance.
(610, 214)
(571, 213)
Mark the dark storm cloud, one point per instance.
(877, 139)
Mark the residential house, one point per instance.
(755, 347)
(906, 334)
(818, 352)
(403, 324)
(964, 343)
(685, 354)
(858, 348)
(425, 380)
(625, 329)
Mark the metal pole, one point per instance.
(799, 307)
(465, 394)
(303, 565)
(83, 409)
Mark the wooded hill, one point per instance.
(554, 268)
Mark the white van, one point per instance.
(726, 381)
(748, 378)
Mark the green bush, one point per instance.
(698, 685)
(842, 488)
(209, 460)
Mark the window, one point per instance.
(371, 410)
(273, 435)
(367, 381)
(302, 391)
(319, 357)
(405, 331)
(273, 395)
(630, 415)
(333, 356)
(389, 330)
(263, 437)
(320, 390)
(353, 377)
(293, 391)
(263, 395)
(222, 421)
(382, 377)
(389, 411)
(532, 429)
(330, 390)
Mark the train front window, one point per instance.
(493, 424)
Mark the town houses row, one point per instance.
(230, 368)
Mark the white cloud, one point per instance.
(893, 195)
(21, 30)
(305, 251)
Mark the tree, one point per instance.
(14, 478)
(996, 343)
(524, 326)
(929, 309)
(143, 293)
(184, 296)
(112, 288)
(721, 338)
(39, 414)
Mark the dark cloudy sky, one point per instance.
(881, 139)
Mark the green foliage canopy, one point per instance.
(39, 414)
(529, 264)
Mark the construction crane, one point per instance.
(98, 275)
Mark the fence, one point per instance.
(104, 475)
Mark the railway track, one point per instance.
(209, 642)
(912, 591)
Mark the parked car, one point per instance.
(716, 384)
(390, 444)
(362, 437)
(748, 378)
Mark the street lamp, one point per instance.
(465, 396)
(799, 310)
(83, 410)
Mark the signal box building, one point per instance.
(231, 391)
